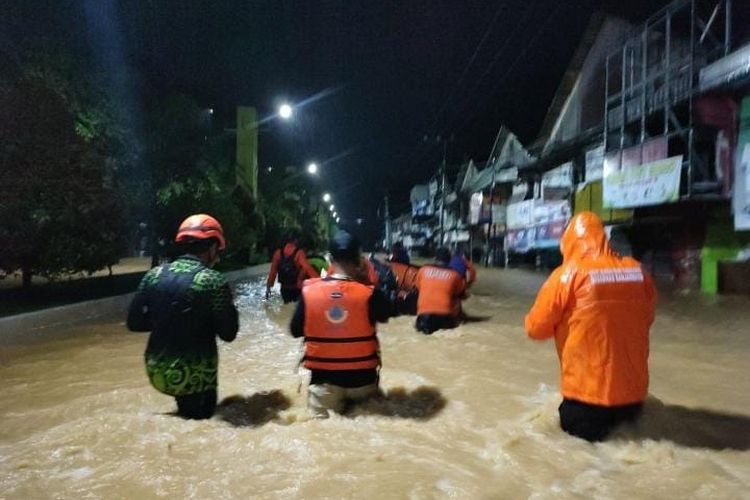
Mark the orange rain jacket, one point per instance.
(599, 307)
(300, 262)
(441, 290)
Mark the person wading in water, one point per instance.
(290, 265)
(337, 317)
(599, 308)
(186, 305)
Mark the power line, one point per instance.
(518, 28)
(512, 67)
(468, 65)
(418, 150)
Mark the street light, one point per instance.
(334, 215)
(312, 168)
(338, 220)
(326, 197)
(331, 207)
(285, 111)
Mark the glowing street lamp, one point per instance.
(312, 168)
(331, 207)
(285, 111)
(326, 197)
(338, 220)
(334, 215)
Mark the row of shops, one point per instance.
(649, 128)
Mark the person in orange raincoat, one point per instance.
(441, 290)
(599, 307)
(291, 266)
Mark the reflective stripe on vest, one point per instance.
(338, 332)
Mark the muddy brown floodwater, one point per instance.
(470, 413)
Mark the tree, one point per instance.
(106, 121)
(58, 216)
(203, 194)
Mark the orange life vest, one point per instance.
(406, 276)
(338, 331)
(440, 291)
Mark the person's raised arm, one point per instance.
(546, 313)
(303, 264)
(273, 272)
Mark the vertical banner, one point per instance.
(631, 157)
(612, 163)
(654, 150)
(741, 198)
(475, 208)
(247, 150)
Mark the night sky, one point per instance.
(385, 74)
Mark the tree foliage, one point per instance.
(81, 169)
(58, 215)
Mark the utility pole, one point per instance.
(387, 224)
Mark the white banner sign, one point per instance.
(637, 186)
(741, 202)
(520, 214)
(594, 164)
(475, 208)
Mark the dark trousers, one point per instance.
(196, 406)
(430, 323)
(593, 422)
(290, 294)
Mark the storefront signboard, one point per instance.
(653, 183)
(594, 164)
(475, 208)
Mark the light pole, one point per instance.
(440, 139)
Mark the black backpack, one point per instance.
(288, 271)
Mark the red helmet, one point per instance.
(201, 227)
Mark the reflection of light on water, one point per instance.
(468, 413)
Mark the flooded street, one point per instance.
(470, 413)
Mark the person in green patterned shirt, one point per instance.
(185, 305)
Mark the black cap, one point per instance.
(443, 255)
(344, 247)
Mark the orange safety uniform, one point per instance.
(337, 328)
(599, 308)
(406, 277)
(300, 262)
(440, 291)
